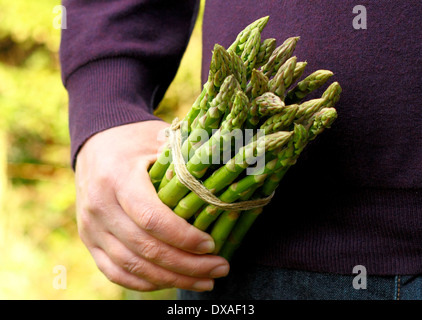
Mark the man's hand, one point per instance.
(136, 240)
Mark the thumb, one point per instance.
(138, 198)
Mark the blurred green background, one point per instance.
(37, 212)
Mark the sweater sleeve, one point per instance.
(118, 59)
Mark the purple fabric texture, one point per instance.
(118, 58)
(355, 195)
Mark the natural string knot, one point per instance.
(190, 182)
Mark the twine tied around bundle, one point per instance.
(194, 185)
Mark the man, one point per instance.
(352, 200)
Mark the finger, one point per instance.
(150, 272)
(93, 230)
(143, 244)
(117, 274)
(139, 200)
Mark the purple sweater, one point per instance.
(355, 195)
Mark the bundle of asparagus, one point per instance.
(253, 87)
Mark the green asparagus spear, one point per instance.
(203, 156)
(321, 120)
(251, 50)
(262, 106)
(279, 122)
(329, 98)
(279, 56)
(238, 68)
(220, 68)
(299, 70)
(283, 78)
(226, 174)
(222, 228)
(237, 232)
(239, 44)
(237, 189)
(257, 86)
(247, 218)
(203, 125)
(160, 166)
(311, 83)
(227, 220)
(210, 213)
(167, 177)
(265, 50)
(332, 94)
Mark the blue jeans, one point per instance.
(268, 283)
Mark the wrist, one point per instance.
(104, 94)
(139, 141)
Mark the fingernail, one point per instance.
(220, 271)
(203, 285)
(206, 246)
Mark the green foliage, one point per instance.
(37, 212)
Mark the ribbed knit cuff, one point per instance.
(105, 94)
